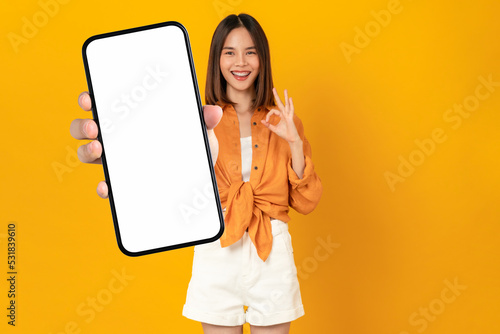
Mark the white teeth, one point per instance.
(241, 74)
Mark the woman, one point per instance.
(263, 166)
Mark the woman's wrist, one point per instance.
(296, 144)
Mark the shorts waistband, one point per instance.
(278, 223)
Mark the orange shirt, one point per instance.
(273, 184)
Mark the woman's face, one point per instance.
(239, 62)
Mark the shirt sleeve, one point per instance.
(305, 192)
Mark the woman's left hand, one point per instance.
(286, 127)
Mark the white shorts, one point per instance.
(224, 280)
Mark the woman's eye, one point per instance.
(229, 53)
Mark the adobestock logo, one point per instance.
(128, 101)
(197, 203)
(31, 26)
(69, 164)
(430, 312)
(324, 249)
(94, 304)
(426, 147)
(373, 28)
(122, 107)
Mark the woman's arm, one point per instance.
(298, 162)
(305, 188)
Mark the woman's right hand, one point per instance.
(86, 129)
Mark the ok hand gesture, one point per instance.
(286, 127)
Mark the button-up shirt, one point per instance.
(273, 186)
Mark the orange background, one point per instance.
(396, 249)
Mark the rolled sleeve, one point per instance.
(304, 193)
(294, 180)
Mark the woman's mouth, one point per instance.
(240, 75)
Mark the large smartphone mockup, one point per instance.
(156, 155)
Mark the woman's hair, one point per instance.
(215, 89)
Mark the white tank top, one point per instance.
(246, 160)
(246, 157)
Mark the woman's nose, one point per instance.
(241, 60)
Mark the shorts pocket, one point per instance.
(282, 242)
(287, 239)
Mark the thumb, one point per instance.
(212, 115)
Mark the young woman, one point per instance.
(263, 167)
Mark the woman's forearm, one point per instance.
(298, 163)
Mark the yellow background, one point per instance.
(395, 249)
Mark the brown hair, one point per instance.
(215, 89)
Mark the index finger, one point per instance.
(84, 101)
(277, 98)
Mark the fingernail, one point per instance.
(89, 147)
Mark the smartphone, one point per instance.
(156, 156)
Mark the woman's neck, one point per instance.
(243, 99)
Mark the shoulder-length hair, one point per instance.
(215, 89)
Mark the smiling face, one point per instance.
(239, 62)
